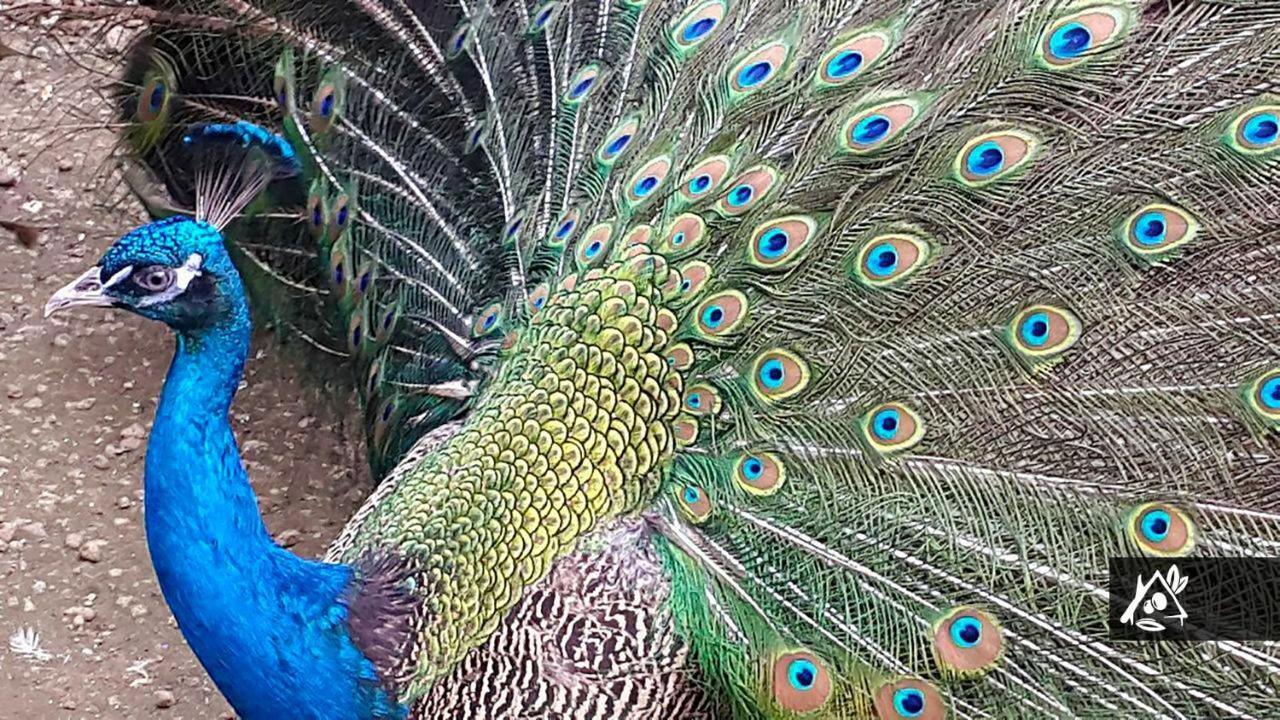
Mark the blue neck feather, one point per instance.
(269, 627)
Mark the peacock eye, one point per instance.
(153, 278)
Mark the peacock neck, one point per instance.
(269, 627)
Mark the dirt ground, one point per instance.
(84, 632)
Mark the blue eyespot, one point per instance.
(1150, 229)
(645, 186)
(741, 195)
(1155, 525)
(753, 468)
(514, 227)
(1261, 129)
(772, 373)
(882, 261)
(754, 74)
(317, 217)
(685, 285)
(459, 40)
(985, 159)
(617, 145)
(678, 239)
(691, 495)
(844, 64)
(713, 316)
(582, 87)
(356, 335)
(871, 129)
(885, 424)
(342, 216)
(593, 249)
(773, 243)
(386, 321)
(1035, 329)
(565, 228)
(966, 631)
(693, 31)
(542, 18)
(387, 410)
(802, 674)
(326, 105)
(157, 97)
(1270, 394)
(338, 275)
(700, 184)
(1070, 40)
(490, 321)
(909, 702)
(694, 400)
(364, 282)
(539, 302)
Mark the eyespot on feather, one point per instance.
(327, 102)
(1080, 36)
(908, 699)
(778, 374)
(153, 98)
(582, 84)
(283, 84)
(704, 178)
(1161, 529)
(1256, 131)
(356, 333)
(779, 243)
(1262, 397)
(339, 216)
(800, 682)
(759, 473)
(1042, 331)
(638, 236)
(618, 141)
(875, 128)
(852, 57)
(721, 314)
(594, 245)
(385, 324)
(693, 278)
(685, 431)
(994, 156)
(701, 399)
(696, 26)
(458, 41)
(317, 214)
(1154, 231)
(646, 181)
(758, 69)
(684, 236)
(487, 320)
(695, 502)
(890, 258)
(542, 17)
(680, 357)
(538, 298)
(339, 269)
(892, 427)
(747, 190)
(966, 641)
(563, 229)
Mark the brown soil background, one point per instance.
(77, 394)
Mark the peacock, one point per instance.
(717, 358)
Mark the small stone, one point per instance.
(15, 392)
(33, 404)
(61, 340)
(65, 165)
(135, 430)
(7, 531)
(288, 538)
(34, 531)
(82, 404)
(165, 699)
(101, 462)
(130, 444)
(74, 540)
(124, 502)
(91, 551)
(8, 177)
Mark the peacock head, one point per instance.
(175, 270)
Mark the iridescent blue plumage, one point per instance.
(269, 627)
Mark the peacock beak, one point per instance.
(86, 290)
